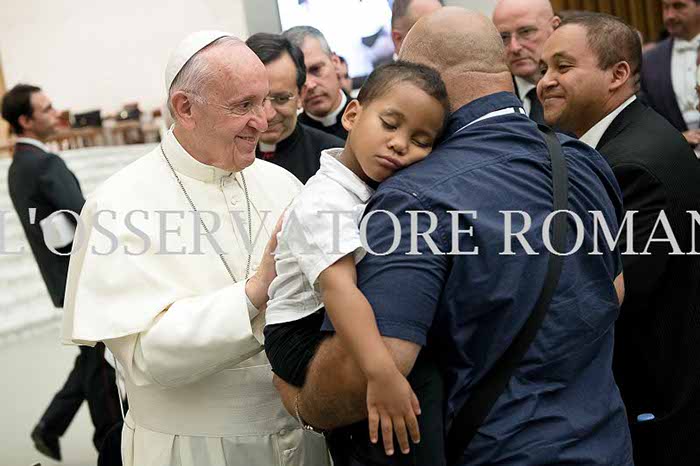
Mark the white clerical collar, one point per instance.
(595, 134)
(331, 118)
(264, 147)
(184, 163)
(524, 86)
(682, 45)
(32, 142)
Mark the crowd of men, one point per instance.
(609, 375)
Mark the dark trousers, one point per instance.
(92, 379)
(350, 446)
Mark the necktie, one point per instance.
(536, 110)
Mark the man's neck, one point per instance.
(608, 107)
(32, 135)
(690, 35)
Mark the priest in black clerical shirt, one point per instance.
(287, 142)
(322, 96)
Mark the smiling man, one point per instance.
(592, 64)
(524, 26)
(288, 143)
(322, 96)
(182, 316)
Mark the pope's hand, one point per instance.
(257, 285)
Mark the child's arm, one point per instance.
(390, 398)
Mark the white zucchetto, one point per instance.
(188, 48)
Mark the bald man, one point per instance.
(524, 26)
(405, 13)
(463, 293)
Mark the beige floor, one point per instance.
(33, 369)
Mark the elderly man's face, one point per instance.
(416, 10)
(524, 31)
(681, 18)
(573, 89)
(321, 93)
(284, 98)
(232, 113)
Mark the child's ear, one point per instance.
(351, 114)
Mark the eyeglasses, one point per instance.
(526, 33)
(280, 100)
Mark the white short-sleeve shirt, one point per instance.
(320, 227)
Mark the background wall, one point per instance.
(92, 54)
(89, 54)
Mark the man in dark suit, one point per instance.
(524, 26)
(669, 71)
(592, 63)
(322, 96)
(41, 180)
(287, 142)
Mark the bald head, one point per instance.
(465, 48)
(524, 26)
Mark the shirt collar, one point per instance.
(682, 45)
(334, 169)
(331, 118)
(184, 163)
(32, 142)
(595, 134)
(478, 108)
(524, 86)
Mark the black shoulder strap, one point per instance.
(485, 393)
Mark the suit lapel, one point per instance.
(620, 123)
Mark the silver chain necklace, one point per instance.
(194, 208)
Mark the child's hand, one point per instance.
(391, 401)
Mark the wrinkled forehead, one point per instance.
(518, 17)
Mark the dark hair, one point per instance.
(611, 39)
(270, 47)
(17, 102)
(400, 9)
(387, 76)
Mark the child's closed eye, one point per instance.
(387, 125)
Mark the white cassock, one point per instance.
(198, 382)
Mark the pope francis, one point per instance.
(171, 269)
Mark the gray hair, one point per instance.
(197, 72)
(298, 34)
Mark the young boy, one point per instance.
(394, 122)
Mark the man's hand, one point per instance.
(391, 401)
(692, 136)
(256, 287)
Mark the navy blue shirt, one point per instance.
(562, 405)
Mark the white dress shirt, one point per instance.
(331, 118)
(311, 240)
(594, 135)
(524, 87)
(683, 78)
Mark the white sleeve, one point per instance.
(318, 238)
(193, 338)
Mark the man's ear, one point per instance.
(621, 74)
(25, 122)
(181, 104)
(555, 22)
(336, 63)
(396, 38)
(351, 114)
